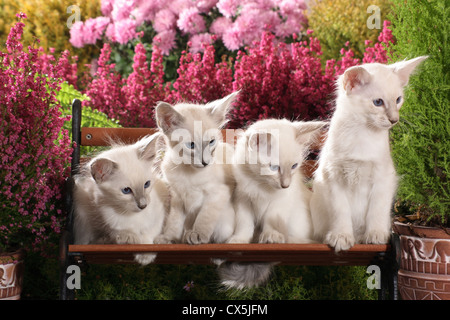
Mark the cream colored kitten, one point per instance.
(120, 199)
(355, 183)
(270, 193)
(201, 184)
(271, 199)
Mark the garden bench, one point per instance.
(384, 256)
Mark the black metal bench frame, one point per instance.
(384, 256)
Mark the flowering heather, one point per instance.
(200, 79)
(143, 88)
(280, 80)
(34, 150)
(105, 88)
(379, 52)
(276, 80)
(129, 100)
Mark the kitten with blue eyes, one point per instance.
(271, 200)
(121, 198)
(201, 182)
(355, 183)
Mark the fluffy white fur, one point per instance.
(201, 183)
(120, 199)
(355, 183)
(271, 199)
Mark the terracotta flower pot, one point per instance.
(424, 272)
(11, 275)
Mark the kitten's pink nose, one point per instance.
(393, 121)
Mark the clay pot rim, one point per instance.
(409, 229)
(12, 255)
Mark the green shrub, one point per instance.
(337, 21)
(168, 282)
(90, 117)
(421, 143)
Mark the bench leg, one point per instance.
(388, 263)
(64, 262)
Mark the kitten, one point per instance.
(201, 184)
(355, 182)
(120, 199)
(271, 199)
(270, 192)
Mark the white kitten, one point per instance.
(201, 184)
(355, 183)
(270, 192)
(271, 199)
(120, 199)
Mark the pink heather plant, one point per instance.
(379, 52)
(200, 79)
(275, 79)
(105, 88)
(132, 100)
(143, 89)
(34, 149)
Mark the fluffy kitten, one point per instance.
(271, 199)
(120, 199)
(201, 184)
(270, 192)
(355, 182)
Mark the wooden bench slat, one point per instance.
(289, 254)
(100, 136)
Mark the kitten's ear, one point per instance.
(355, 77)
(308, 132)
(149, 151)
(167, 118)
(219, 108)
(258, 140)
(102, 169)
(405, 68)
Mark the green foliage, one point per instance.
(337, 21)
(167, 282)
(421, 143)
(90, 117)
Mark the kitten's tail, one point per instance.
(239, 275)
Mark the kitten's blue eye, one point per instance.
(378, 102)
(274, 167)
(127, 190)
(399, 99)
(190, 145)
(147, 184)
(212, 142)
(294, 166)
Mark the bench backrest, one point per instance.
(89, 136)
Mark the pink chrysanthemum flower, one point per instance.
(190, 21)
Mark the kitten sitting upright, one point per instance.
(355, 183)
(271, 199)
(120, 199)
(270, 194)
(201, 184)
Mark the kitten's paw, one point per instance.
(144, 258)
(235, 239)
(162, 239)
(194, 237)
(126, 238)
(340, 241)
(377, 236)
(272, 236)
